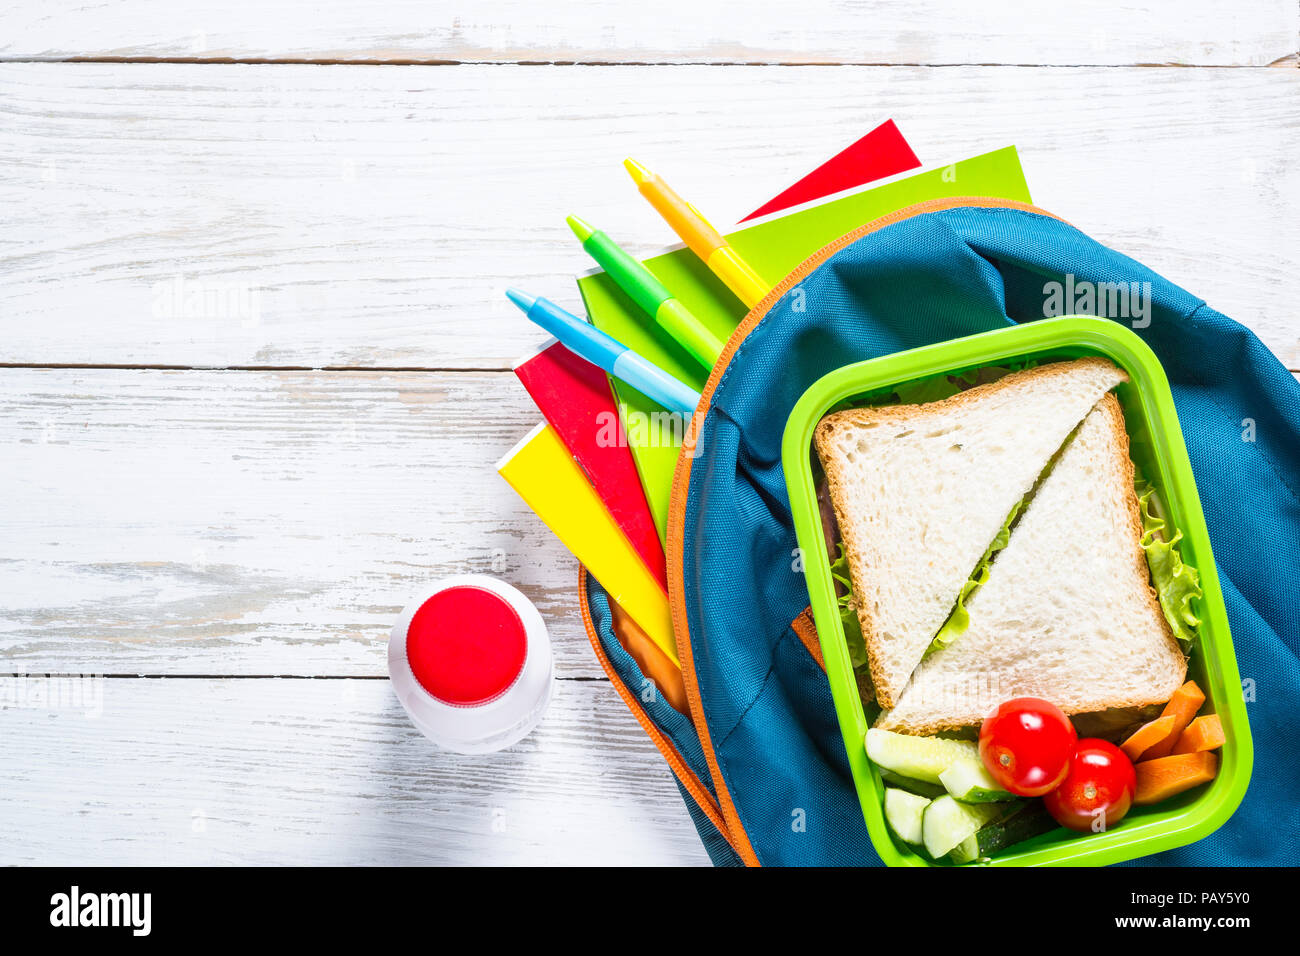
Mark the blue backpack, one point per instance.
(760, 760)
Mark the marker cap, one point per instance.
(471, 663)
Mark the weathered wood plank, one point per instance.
(746, 31)
(328, 772)
(306, 216)
(257, 522)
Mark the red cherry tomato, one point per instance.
(1026, 744)
(1098, 788)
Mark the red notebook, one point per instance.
(576, 398)
(882, 152)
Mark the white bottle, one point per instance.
(471, 663)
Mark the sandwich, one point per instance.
(993, 545)
(921, 491)
(1067, 613)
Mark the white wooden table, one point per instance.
(256, 355)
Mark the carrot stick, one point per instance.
(1187, 700)
(1165, 777)
(1147, 736)
(1203, 733)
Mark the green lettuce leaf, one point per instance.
(848, 610)
(1176, 583)
(959, 619)
(932, 389)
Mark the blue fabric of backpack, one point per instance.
(928, 277)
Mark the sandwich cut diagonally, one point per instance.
(920, 491)
(1068, 612)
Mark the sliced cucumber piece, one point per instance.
(921, 758)
(904, 812)
(1024, 821)
(948, 822)
(919, 787)
(967, 851)
(970, 782)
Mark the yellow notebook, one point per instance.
(545, 475)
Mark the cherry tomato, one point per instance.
(1026, 744)
(1098, 788)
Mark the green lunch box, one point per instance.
(1157, 449)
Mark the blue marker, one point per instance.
(584, 339)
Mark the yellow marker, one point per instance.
(702, 239)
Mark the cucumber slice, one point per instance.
(921, 758)
(904, 812)
(1025, 821)
(970, 782)
(919, 787)
(948, 822)
(967, 851)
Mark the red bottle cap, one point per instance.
(470, 660)
(466, 645)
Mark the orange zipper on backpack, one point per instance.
(688, 779)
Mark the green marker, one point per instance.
(649, 293)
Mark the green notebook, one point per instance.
(773, 248)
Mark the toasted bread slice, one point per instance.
(1068, 612)
(920, 491)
